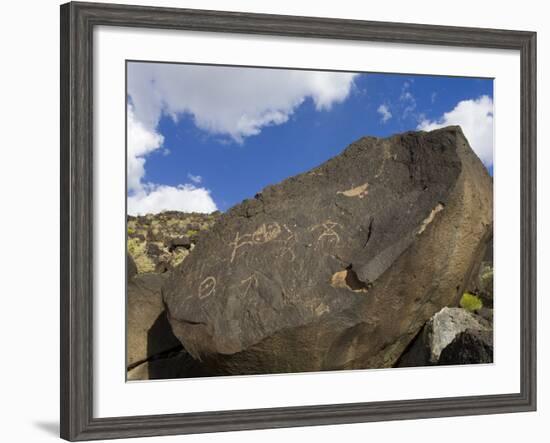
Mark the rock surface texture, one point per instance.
(339, 267)
(469, 347)
(444, 330)
(148, 330)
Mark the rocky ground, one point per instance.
(159, 242)
(380, 257)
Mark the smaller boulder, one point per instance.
(444, 327)
(469, 347)
(153, 249)
(486, 313)
(162, 267)
(131, 267)
(438, 333)
(180, 242)
(148, 331)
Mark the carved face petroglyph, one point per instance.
(207, 287)
(328, 232)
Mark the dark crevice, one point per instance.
(192, 323)
(163, 354)
(369, 232)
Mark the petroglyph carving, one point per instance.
(321, 309)
(239, 242)
(266, 232)
(250, 282)
(359, 191)
(328, 231)
(430, 218)
(287, 249)
(207, 287)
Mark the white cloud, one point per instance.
(232, 102)
(407, 99)
(236, 102)
(384, 111)
(476, 119)
(151, 198)
(157, 198)
(141, 141)
(194, 178)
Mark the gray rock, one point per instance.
(486, 313)
(447, 324)
(469, 347)
(339, 267)
(131, 268)
(153, 249)
(180, 242)
(178, 364)
(438, 333)
(148, 330)
(481, 276)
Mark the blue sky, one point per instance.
(205, 138)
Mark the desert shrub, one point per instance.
(470, 302)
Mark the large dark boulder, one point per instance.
(339, 267)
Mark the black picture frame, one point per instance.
(77, 23)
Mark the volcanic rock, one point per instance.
(438, 333)
(148, 330)
(339, 267)
(180, 242)
(131, 268)
(469, 347)
(177, 364)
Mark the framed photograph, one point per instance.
(273, 221)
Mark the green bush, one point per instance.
(470, 302)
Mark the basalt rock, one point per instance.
(339, 267)
(131, 268)
(148, 330)
(469, 347)
(441, 331)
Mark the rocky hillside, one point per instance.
(380, 257)
(159, 242)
